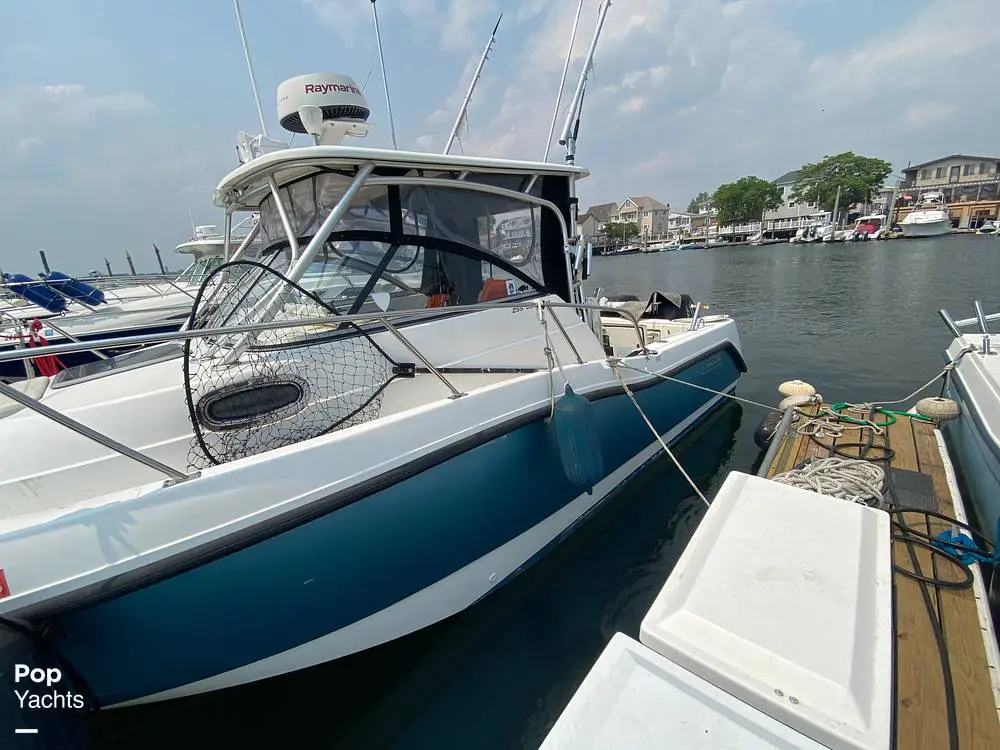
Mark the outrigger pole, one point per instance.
(568, 138)
(472, 86)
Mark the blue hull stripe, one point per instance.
(336, 569)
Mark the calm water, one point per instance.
(857, 320)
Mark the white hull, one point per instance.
(975, 385)
(926, 228)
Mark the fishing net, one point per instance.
(253, 392)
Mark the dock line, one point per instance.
(663, 444)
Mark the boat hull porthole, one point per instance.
(249, 403)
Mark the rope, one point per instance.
(615, 362)
(847, 478)
(663, 444)
(552, 357)
(877, 405)
(906, 399)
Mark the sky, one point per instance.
(118, 117)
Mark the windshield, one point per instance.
(201, 268)
(408, 247)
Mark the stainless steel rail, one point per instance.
(983, 327)
(981, 321)
(950, 323)
(383, 317)
(156, 338)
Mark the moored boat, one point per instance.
(345, 463)
(929, 217)
(974, 384)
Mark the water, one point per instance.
(857, 320)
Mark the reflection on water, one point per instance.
(858, 320)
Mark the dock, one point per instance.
(945, 665)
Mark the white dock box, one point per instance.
(634, 699)
(783, 599)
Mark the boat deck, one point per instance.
(938, 691)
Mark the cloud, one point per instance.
(685, 96)
(455, 25)
(633, 105)
(69, 102)
(26, 145)
(927, 115)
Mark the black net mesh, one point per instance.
(253, 392)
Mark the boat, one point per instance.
(105, 309)
(929, 217)
(987, 227)
(869, 227)
(320, 471)
(974, 384)
(813, 232)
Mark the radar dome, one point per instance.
(325, 105)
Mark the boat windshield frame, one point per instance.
(282, 221)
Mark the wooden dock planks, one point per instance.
(921, 720)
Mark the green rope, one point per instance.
(889, 414)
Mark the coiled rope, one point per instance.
(851, 479)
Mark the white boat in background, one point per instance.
(988, 227)
(815, 232)
(928, 218)
(106, 307)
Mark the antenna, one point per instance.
(385, 81)
(191, 218)
(475, 79)
(568, 138)
(562, 81)
(253, 80)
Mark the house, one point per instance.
(592, 221)
(648, 214)
(679, 223)
(971, 187)
(792, 213)
(957, 169)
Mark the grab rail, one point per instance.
(156, 338)
(384, 317)
(983, 327)
(981, 320)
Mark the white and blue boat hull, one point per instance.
(373, 561)
(974, 436)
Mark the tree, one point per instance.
(745, 200)
(620, 230)
(699, 202)
(858, 177)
